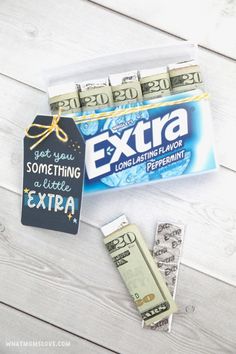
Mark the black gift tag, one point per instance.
(53, 175)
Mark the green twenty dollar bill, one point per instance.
(95, 94)
(65, 97)
(155, 83)
(185, 76)
(126, 88)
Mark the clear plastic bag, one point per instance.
(147, 140)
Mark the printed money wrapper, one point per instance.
(138, 270)
(166, 254)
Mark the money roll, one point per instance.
(155, 83)
(95, 94)
(65, 97)
(185, 76)
(126, 87)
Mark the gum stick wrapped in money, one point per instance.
(126, 88)
(155, 83)
(185, 76)
(95, 94)
(64, 96)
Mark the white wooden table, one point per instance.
(57, 287)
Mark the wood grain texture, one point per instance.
(28, 30)
(23, 334)
(207, 22)
(33, 29)
(71, 281)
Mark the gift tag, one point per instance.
(54, 154)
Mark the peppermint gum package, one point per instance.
(144, 115)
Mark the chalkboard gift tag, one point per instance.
(54, 154)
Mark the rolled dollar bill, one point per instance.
(155, 83)
(95, 94)
(138, 270)
(64, 96)
(185, 76)
(126, 87)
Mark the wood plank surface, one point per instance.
(56, 34)
(70, 281)
(207, 22)
(42, 36)
(23, 334)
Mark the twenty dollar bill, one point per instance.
(126, 88)
(185, 76)
(95, 94)
(65, 97)
(155, 83)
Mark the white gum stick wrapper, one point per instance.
(166, 254)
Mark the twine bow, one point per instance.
(48, 129)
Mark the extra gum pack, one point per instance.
(144, 115)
